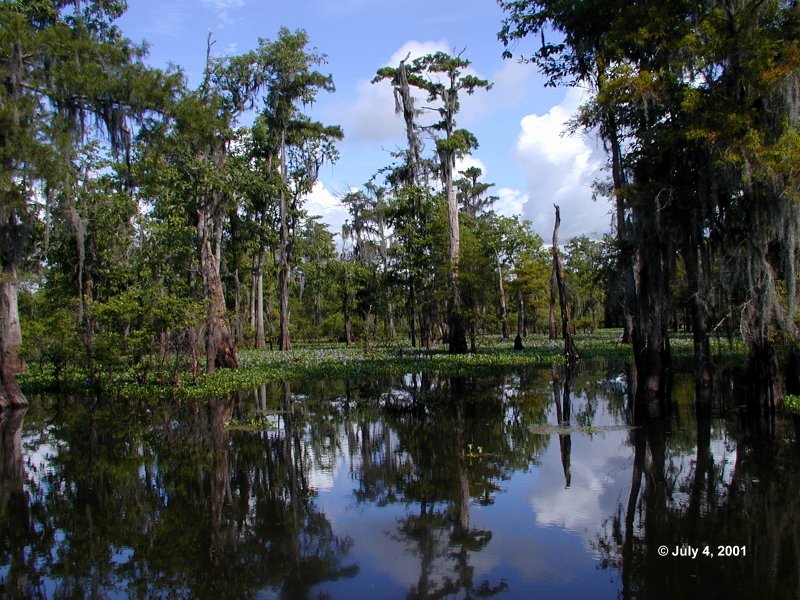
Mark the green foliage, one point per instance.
(792, 403)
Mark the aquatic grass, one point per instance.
(336, 361)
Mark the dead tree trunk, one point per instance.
(570, 349)
(553, 321)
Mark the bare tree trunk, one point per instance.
(520, 322)
(503, 304)
(237, 327)
(412, 312)
(457, 335)
(10, 340)
(284, 343)
(252, 300)
(260, 341)
(570, 350)
(553, 331)
(348, 325)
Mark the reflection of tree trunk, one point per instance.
(704, 462)
(563, 416)
(14, 509)
(222, 535)
(11, 464)
(640, 450)
(462, 523)
(427, 554)
(657, 518)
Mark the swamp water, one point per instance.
(520, 485)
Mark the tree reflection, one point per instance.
(160, 502)
(563, 402)
(444, 444)
(693, 494)
(15, 522)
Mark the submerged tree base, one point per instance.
(11, 395)
(765, 391)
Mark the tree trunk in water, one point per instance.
(649, 335)
(10, 340)
(696, 275)
(623, 231)
(220, 351)
(702, 348)
(766, 391)
(570, 350)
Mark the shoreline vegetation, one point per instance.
(337, 360)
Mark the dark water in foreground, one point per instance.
(414, 487)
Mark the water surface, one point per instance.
(520, 485)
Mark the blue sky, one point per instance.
(519, 123)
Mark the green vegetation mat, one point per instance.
(337, 361)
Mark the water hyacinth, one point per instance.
(257, 367)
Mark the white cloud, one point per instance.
(322, 202)
(231, 49)
(371, 117)
(467, 161)
(510, 82)
(561, 169)
(222, 8)
(169, 20)
(414, 49)
(510, 202)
